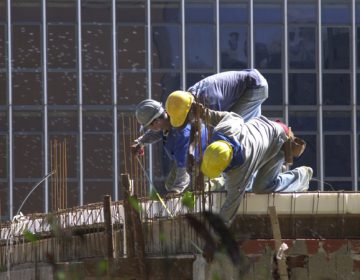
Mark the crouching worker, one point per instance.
(241, 92)
(155, 121)
(250, 155)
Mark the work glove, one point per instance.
(137, 149)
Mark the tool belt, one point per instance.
(293, 147)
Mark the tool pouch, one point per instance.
(293, 147)
(298, 147)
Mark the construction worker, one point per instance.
(154, 119)
(241, 92)
(250, 155)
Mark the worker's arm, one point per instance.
(149, 137)
(209, 117)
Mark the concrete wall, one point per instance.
(306, 259)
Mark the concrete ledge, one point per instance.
(310, 203)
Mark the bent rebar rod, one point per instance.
(33, 189)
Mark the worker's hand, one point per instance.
(137, 149)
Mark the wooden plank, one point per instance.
(108, 227)
(277, 237)
(139, 243)
(129, 227)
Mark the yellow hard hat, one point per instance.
(177, 106)
(217, 157)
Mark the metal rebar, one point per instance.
(52, 168)
(56, 176)
(33, 189)
(65, 173)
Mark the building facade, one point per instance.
(75, 70)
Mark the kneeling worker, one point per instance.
(250, 155)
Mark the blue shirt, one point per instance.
(177, 141)
(238, 158)
(221, 91)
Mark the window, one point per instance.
(166, 47)
(165, 12)
(132, 88)
(27, 88)
(234, 48)
(336, 12)
(302, 47)
(3, 157)
(337, 121)
(336, 46)
(336, 89)
(275, 89)
(302, 12)
(3, 90)
(337, 155)
(200, 47)
(28, 161)
(33, 205)
(62, 88)
(2, 47)
(302, 89)
(131, 47)
(62, 47)
(304, 121)
(97, 88)
(268, 47)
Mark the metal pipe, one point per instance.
(45, 100)
(114, 96)
(80, 104)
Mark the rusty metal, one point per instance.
(58, 162)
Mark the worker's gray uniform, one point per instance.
(261, 142)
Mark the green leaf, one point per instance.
(188, 200)
(60, 275)
(134, 202)
(162, 236)
(29, 236)
(102, 266)
(216, 276)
